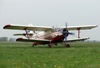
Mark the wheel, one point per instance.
(67, 45)
(49, 46)
(56, 44)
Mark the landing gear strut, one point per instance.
(66, 45)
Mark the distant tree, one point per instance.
(94, 41)
(3, 38)
(12, 39)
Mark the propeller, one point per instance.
(69, 33)
(66, 32)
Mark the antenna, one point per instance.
(66, 24)
(56, 25)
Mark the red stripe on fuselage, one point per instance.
(57, 39)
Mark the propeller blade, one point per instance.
(70, 33)
(65, 32)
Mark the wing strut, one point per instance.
(78, 32)
(27, 36)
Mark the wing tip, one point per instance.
(18, 39)
(96, 25)
(6, 26)
(87, 38)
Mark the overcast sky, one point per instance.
(51, 13)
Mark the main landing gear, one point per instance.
(67, 45)
(49, 45)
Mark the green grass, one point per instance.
(22, 55)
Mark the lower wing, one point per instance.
(48, 41)
(77, 39)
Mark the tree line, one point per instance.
(7, 39)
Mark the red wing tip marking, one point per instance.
(19, 39)
(6, 26)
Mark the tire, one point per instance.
(67, 45)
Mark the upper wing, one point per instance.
(41, 28)
(28, 27)
(84, 27)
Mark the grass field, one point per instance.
(22, 55)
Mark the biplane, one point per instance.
(41, 35)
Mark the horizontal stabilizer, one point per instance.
(23, 34)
